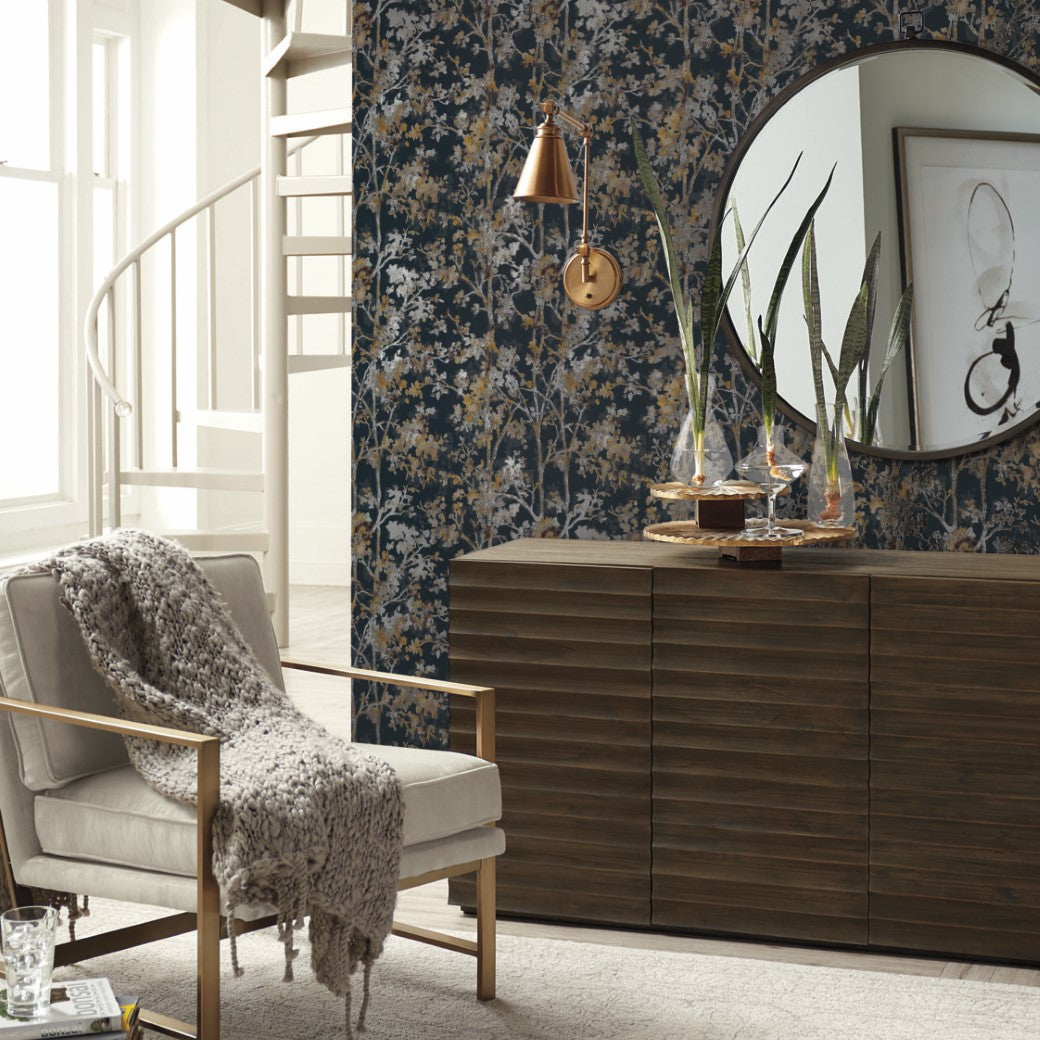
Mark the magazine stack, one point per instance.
(85, 1008)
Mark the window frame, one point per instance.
(37, 522)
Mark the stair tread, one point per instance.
(302, 124)
(301, 47)
(193, 469)
(201, 477)
(240, 420)
(317, 362)
(297, 187)
(249, 6)
(296, 305)
(315, 245)
(222, 541)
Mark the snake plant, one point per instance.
(855, 349)
(714, 295)
(767, 328)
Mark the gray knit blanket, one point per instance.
(306, 823)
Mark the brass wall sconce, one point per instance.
(591, 277)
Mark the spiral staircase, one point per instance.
(149, 423)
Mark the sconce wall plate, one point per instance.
(602, 284)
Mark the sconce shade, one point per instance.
(547, 173)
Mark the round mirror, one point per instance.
(936, 148)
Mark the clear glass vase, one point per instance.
(701, 460)
(832, 498)
(772, 466)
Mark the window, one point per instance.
(30, 180)
(50, 251)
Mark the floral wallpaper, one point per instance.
(485, 406)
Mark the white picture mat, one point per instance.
(940, 174)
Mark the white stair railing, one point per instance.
(105, 428)
(121, 359)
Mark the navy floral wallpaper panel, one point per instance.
(486, 407)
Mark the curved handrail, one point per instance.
(120, 405)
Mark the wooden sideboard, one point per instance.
(845, 750)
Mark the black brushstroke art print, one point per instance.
(991, 382)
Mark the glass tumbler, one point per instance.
(27, 933)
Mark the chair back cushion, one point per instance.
(43, 659)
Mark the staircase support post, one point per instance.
(274, 332)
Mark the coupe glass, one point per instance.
(772, 466)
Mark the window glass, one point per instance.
(100, 114)
(30, 422)
(25, 125)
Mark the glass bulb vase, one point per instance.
(701, 459)
(832, 498)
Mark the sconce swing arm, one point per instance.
(550, 108)
(591, 277)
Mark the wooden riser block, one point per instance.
(720, 515)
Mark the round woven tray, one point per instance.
(727, 491)
(686, 532)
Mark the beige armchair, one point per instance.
(76, 817)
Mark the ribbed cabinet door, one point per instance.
(955, 766)
(568, 649)
(760, 753)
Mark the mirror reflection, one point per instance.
(937, 149)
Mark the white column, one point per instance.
(273, 330)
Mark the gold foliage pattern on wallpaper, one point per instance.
(485, 407)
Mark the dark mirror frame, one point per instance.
(729, 174)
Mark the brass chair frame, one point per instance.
(207, 922)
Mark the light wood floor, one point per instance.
(319, 630)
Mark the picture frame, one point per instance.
(970, 244)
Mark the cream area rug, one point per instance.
(561, 990)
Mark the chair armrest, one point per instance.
(483, 695)
(207, 783)
(107, 723)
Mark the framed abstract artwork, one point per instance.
(970, 240)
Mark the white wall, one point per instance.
(167, 184)
(229, 129)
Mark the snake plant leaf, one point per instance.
(898, 336)
(813, 319)
(768, 369)
(853, 344)
(710, 292)
(773, 311)
(870, 275)
(712, 306)
(832, 367)
(653, 193)
(745, 281)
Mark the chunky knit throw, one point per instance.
(306, 823)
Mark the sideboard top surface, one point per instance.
(588, 553)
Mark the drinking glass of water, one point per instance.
(28, 945)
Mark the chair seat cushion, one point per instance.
(115, 817)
